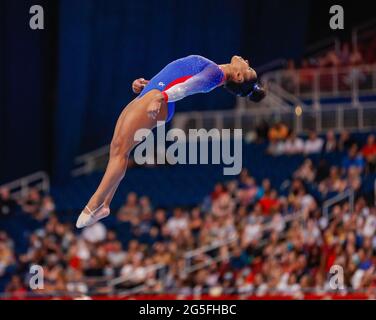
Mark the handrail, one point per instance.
(218, 244)
(204, 249)
(349, 193)
(122, 279)
(317, 83)
(333, 116)
(289, 97)
(20, 187)
(86, 163)
(361, 120)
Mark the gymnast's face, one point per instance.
(241, 71)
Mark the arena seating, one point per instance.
(163, 185)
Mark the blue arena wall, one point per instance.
(70, 81)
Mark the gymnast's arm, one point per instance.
(206, 80)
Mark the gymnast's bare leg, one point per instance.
(141, 113)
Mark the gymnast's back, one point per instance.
(179, 71)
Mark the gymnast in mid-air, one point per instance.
(155, 104)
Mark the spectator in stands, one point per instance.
(333, 183)
(295, 194)
(306, 171)
(248, 191)
(354, 179)
(32, 203)
(130, 209)
(159, 219)
(356, 57)
(93, 267)
(345, 141)
(95, 233)
(306, 76)
(354, 158)
(330, 144)
(143, 227)
(47, 208)
(113, 249)
(277, 135)
(16, 287)
(178, 224)
(253, 230)
(219, 190)
(369, 153)
(7, 259)
(330, 59)
(278, 132)
(277, 148)
(293, 145)
(196, 223)
(344, 54)
(313, 144)
(238, 260)
(305, 201)
(223, 206)
(266, 186)
(290, 78)
(7, 205)
(145, 205)
(270, 202)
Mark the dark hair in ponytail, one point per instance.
(251, 89)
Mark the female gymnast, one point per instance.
(156, 102)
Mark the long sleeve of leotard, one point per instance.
(206, 80)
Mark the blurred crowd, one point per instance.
(301, 74)
(283, 141)
(259, 239)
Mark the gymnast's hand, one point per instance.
(155, 106)
(139, 84)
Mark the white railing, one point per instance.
(336, 117)
(122, 279)
(88, 162)
(350, 194)
(190, 255)
(276, 97)
(20, 187)
(316, 83)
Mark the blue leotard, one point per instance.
(183, 77)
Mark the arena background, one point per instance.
(298, 207)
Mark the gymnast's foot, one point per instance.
(89, 217)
